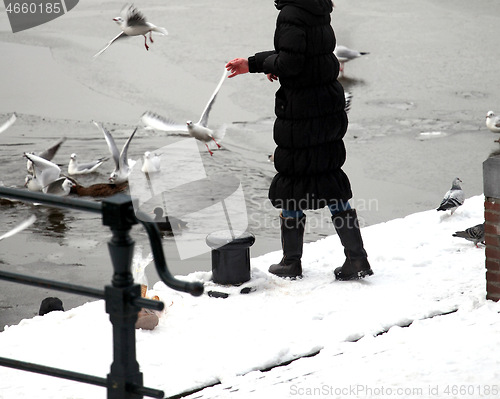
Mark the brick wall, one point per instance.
(492, 239)
(491, 180)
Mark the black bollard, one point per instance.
(230, 256)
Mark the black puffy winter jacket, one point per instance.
(309, 106)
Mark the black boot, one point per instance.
(356, 265)
(292, 238)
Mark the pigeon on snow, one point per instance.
(123, 166)
(493, 123)
(474, 234)
(345, 54)
(198, 130)
(453, 198)
(133, 23)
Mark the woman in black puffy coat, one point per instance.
(310, 125)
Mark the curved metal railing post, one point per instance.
(194, 288)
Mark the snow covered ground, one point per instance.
(420, 327)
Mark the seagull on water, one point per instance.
(46, 177)
(198, 130)
(75, 168)
(61, 187)
(151, 162)
(474, 234)
(8, 123)
(20, 227)
(123, 165)
(47, 154)
(44, 173)
(345, 54)
(133, 23)
(493, 123)
(453, 198)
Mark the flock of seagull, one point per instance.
(44, 175)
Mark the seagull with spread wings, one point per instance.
(46, 177)
(198, 130)
(133, 23)
(47, 154)
(123, 166)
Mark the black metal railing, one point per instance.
(123, 296)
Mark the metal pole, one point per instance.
(49, 199)
(118, 214)
(73, 376)
(51, 285)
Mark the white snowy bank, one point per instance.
(421, 273)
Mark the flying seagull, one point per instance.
(8, 123)
(493, 123)
(453, 198)
(76, 168)
(198, 130)
(345, 54)
(122, 167)
(474, 234)
(153, 121)
(133, 23)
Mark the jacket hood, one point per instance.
(317, 7)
